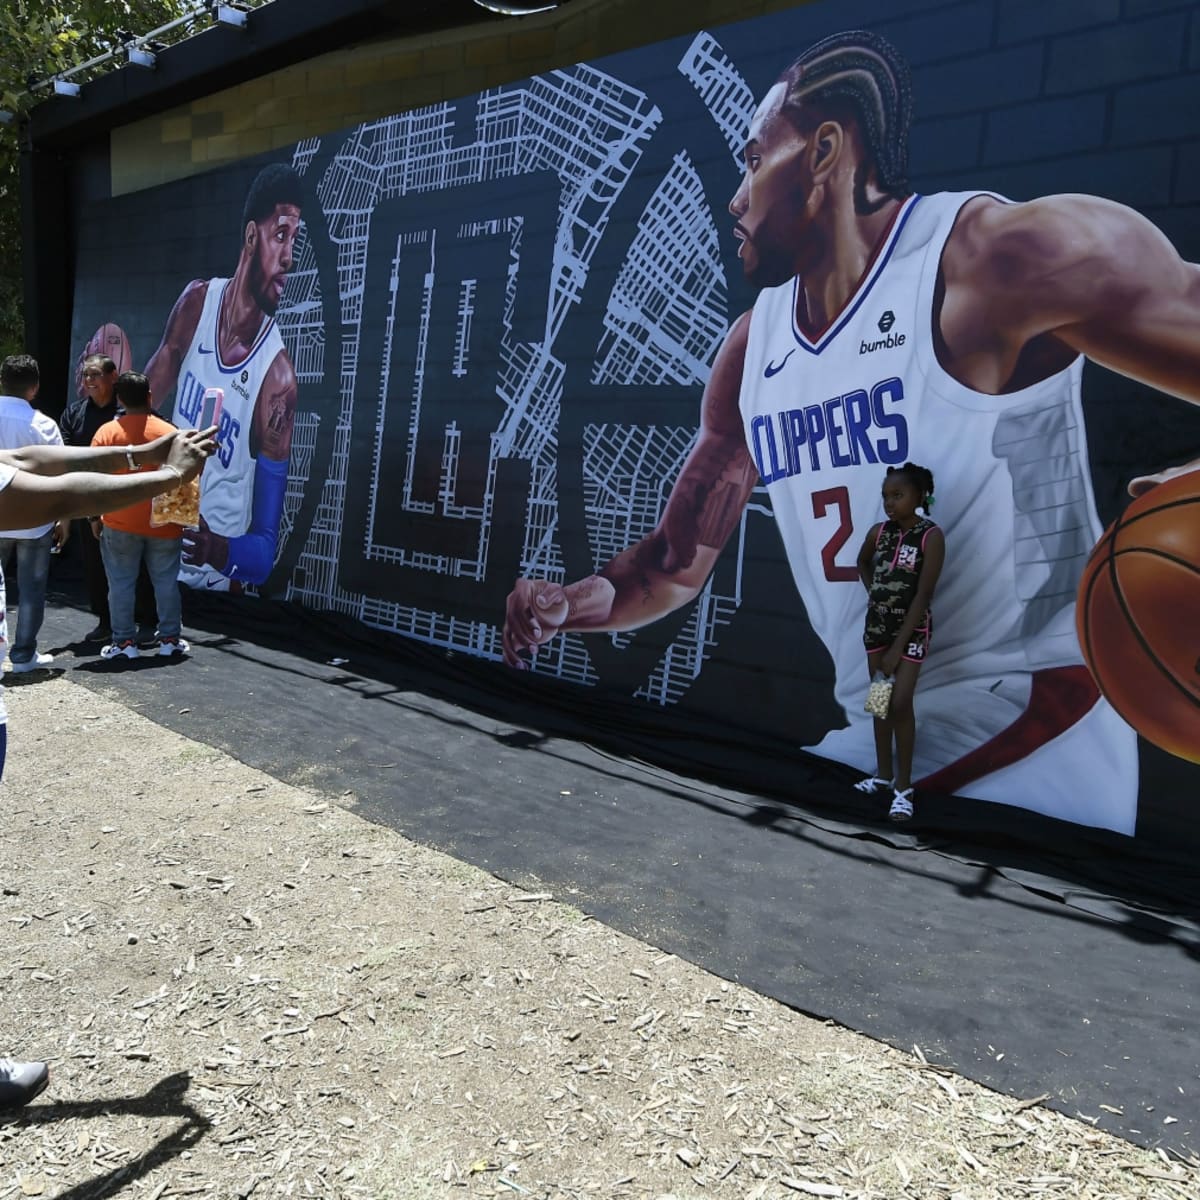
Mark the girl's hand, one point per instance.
(890, 661)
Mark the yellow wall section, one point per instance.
(380, 78)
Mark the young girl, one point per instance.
(899, 564)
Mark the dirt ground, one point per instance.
(246, 989)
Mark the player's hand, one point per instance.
(188, 449)
(890, 661)
(203, 547)
(1143, 483)
(534, 613)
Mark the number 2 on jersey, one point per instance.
(839, 498)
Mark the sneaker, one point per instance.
(127, 648)
(21, 1081)
(36, 663)
(175, 645)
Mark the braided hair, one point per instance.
(862, 75)
(920, 478)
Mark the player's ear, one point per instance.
(251, 233)
(825, 148)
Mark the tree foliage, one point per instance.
(38, 40)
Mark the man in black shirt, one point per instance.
(79, 423)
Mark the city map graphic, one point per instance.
(406, 201)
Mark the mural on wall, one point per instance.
(572, 374)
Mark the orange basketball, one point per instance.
(1138, 615)
(109, 339)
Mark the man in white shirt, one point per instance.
(22, 425)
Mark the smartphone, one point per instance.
(210, 408)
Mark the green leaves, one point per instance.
(40, 39)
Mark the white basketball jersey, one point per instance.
(825, 416)
(227, 485)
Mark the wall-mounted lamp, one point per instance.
(64, 87)
(227, 14)
(139, 56)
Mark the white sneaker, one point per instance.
(175, 645)
(36, 663)
(127, 648)
(21, 1081)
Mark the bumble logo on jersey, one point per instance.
(845, 431)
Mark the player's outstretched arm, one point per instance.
(668, 568)
(163, 368)
(1085, 271)
(250, 557)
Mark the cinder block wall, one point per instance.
(377, 79)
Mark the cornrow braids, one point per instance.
(867, 73)
(920, 477)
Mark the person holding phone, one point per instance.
(129, 537)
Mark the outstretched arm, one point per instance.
(33, 499)
(250, 557)
(62, 460)
(163, 368)
(669, 567)
(1090, 274)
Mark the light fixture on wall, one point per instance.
(231, 15)
(64, 87)
(507, 9)
(144, 54)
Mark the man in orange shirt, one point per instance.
(128, 539)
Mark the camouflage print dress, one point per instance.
(899, 557)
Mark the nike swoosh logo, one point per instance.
(772, 369)
(204, 349)
(212, 583)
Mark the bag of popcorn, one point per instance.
(879, 696)
(178, 507)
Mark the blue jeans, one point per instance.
(33, 568)
(123, 554)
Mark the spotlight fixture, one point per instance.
(507, 9)
(229, 14)
(139, 56)
(64, 87)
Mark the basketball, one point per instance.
(1137, 615)
(109, 339)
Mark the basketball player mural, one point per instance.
(950, 328)
(222, 333)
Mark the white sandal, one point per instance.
(902, 809)
(871, 785)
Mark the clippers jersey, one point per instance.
(227, 485)
(824, 418)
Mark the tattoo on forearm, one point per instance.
(721, 509)
(583, 591)
(643, 559)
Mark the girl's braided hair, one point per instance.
(921, 478)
